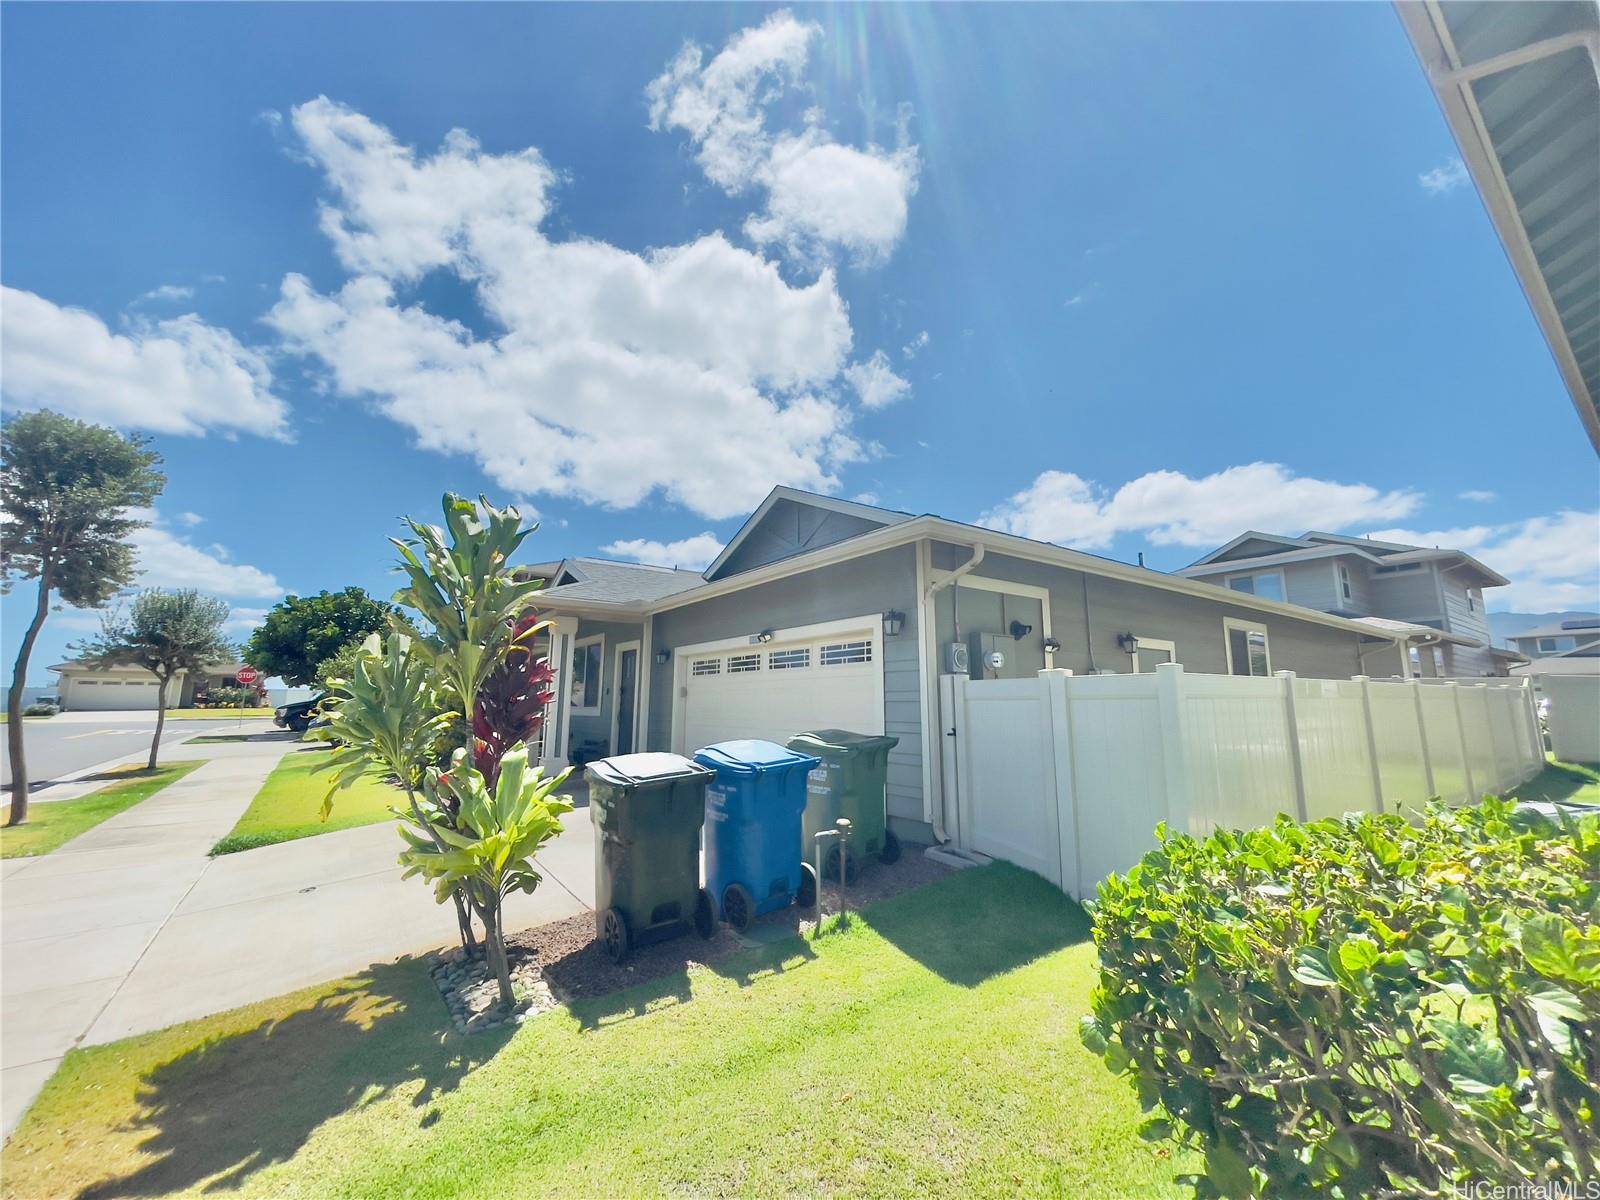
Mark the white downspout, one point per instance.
(934, 588)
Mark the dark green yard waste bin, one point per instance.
(849, 783)
(647, 811)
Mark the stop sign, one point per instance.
(247, 676)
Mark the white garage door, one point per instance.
(783, 688)
(111, 695)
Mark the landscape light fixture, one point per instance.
(1051, 645)
(893, 623)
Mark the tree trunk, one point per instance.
(463, 915)
(19, 677)
(161, 718)
(495, 951)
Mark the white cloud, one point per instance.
(916, 345)
(694, 552)
(1444, 178)
(168, 561)
(866, 498)
(696, 370)
(1478, 497)
(168, 291)
(245, 620)
(190, 519)
(1170, 508)
(875, 382)
(178, 376)
(821, 195)
(1552, 562)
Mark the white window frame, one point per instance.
(1283, 585)
(1347, 590)
(588, 710)
(1154, 644)
(1229, 625)
(1005, 587)
(616, 691)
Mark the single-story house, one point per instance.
(89, 686)
(824, 613)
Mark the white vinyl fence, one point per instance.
(1069, 775)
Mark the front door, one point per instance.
(627, 697)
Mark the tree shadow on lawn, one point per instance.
(238, 1103)
(1559, 784)
(980, 922)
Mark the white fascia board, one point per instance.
(1249, 535)
(1244, 566)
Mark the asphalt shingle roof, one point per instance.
(623, 583)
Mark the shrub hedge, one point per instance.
(1362, 1007)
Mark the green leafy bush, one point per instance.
(1362, 1007)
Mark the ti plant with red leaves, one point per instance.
(511, 703)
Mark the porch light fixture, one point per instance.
(1128, 642)
(1020, 631)
(764, 636)
(893, 623)
(661, 657)
(1051, 645)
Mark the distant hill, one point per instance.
(1503, 625)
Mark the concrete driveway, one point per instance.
(131, 928)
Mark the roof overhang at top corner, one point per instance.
(1519, 84)
(1249, 535)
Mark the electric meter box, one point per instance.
(989, 653)
(955, 659)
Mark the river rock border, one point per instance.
(472, 995)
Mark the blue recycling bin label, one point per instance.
(717, 796)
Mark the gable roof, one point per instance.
(878, 517)
(1316, 545)
(1561, 630)
(609, 582)
(1225, 553)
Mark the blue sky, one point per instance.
(1126, 277)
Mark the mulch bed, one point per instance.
(575, 966)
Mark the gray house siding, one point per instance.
(1469, 620)
(1192, 623)
(873, 584)
(1313, 585)
(1407, 596)
(790, 529)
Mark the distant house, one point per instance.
(1571, 647)
(86, 686)
(1429, 601)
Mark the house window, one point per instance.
(1472, 600)
(1268, 584)
(1345, 590)
(1556, 645)
(1390, 570)
(789, 660)
(1247, 648)
(587, 657)
(739, 663)
(842, 653)
(707, 666)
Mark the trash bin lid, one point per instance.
(628, 770)
(841, 741)
(751, 756)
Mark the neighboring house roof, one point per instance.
(1513, 656)
(81, 665)
(1565, 629)
(1329, 545)
(1561, 665)
(607, 582)
(1518, 84)
(1410, 630)
(903, 530)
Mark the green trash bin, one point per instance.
(849, 783)
(647, 811)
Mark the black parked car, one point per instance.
(299, 715)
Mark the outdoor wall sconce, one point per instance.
(661, 657)
(1020, 631)
(1051, 645)
(1128, 642)
(764, 636)
(893, 623)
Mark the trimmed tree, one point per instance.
(70, 493)
(165, 633)
(301, 633)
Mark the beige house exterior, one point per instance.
(84, 687)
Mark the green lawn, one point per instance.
(51, 824)
(289, 805)
(929, 1047)
(1575, 783)
(216, 714)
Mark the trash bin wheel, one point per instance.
(891, 848)
(738, 906)
(806, 896)
(705, 916)
(830, 865)
(614, 934)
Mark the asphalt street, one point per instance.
(69, 742)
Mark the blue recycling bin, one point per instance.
(752, 834)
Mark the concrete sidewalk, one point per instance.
(130, 927)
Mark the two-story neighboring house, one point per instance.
(1428, 600)
(1571, 647)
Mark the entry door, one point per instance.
(627, 698)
